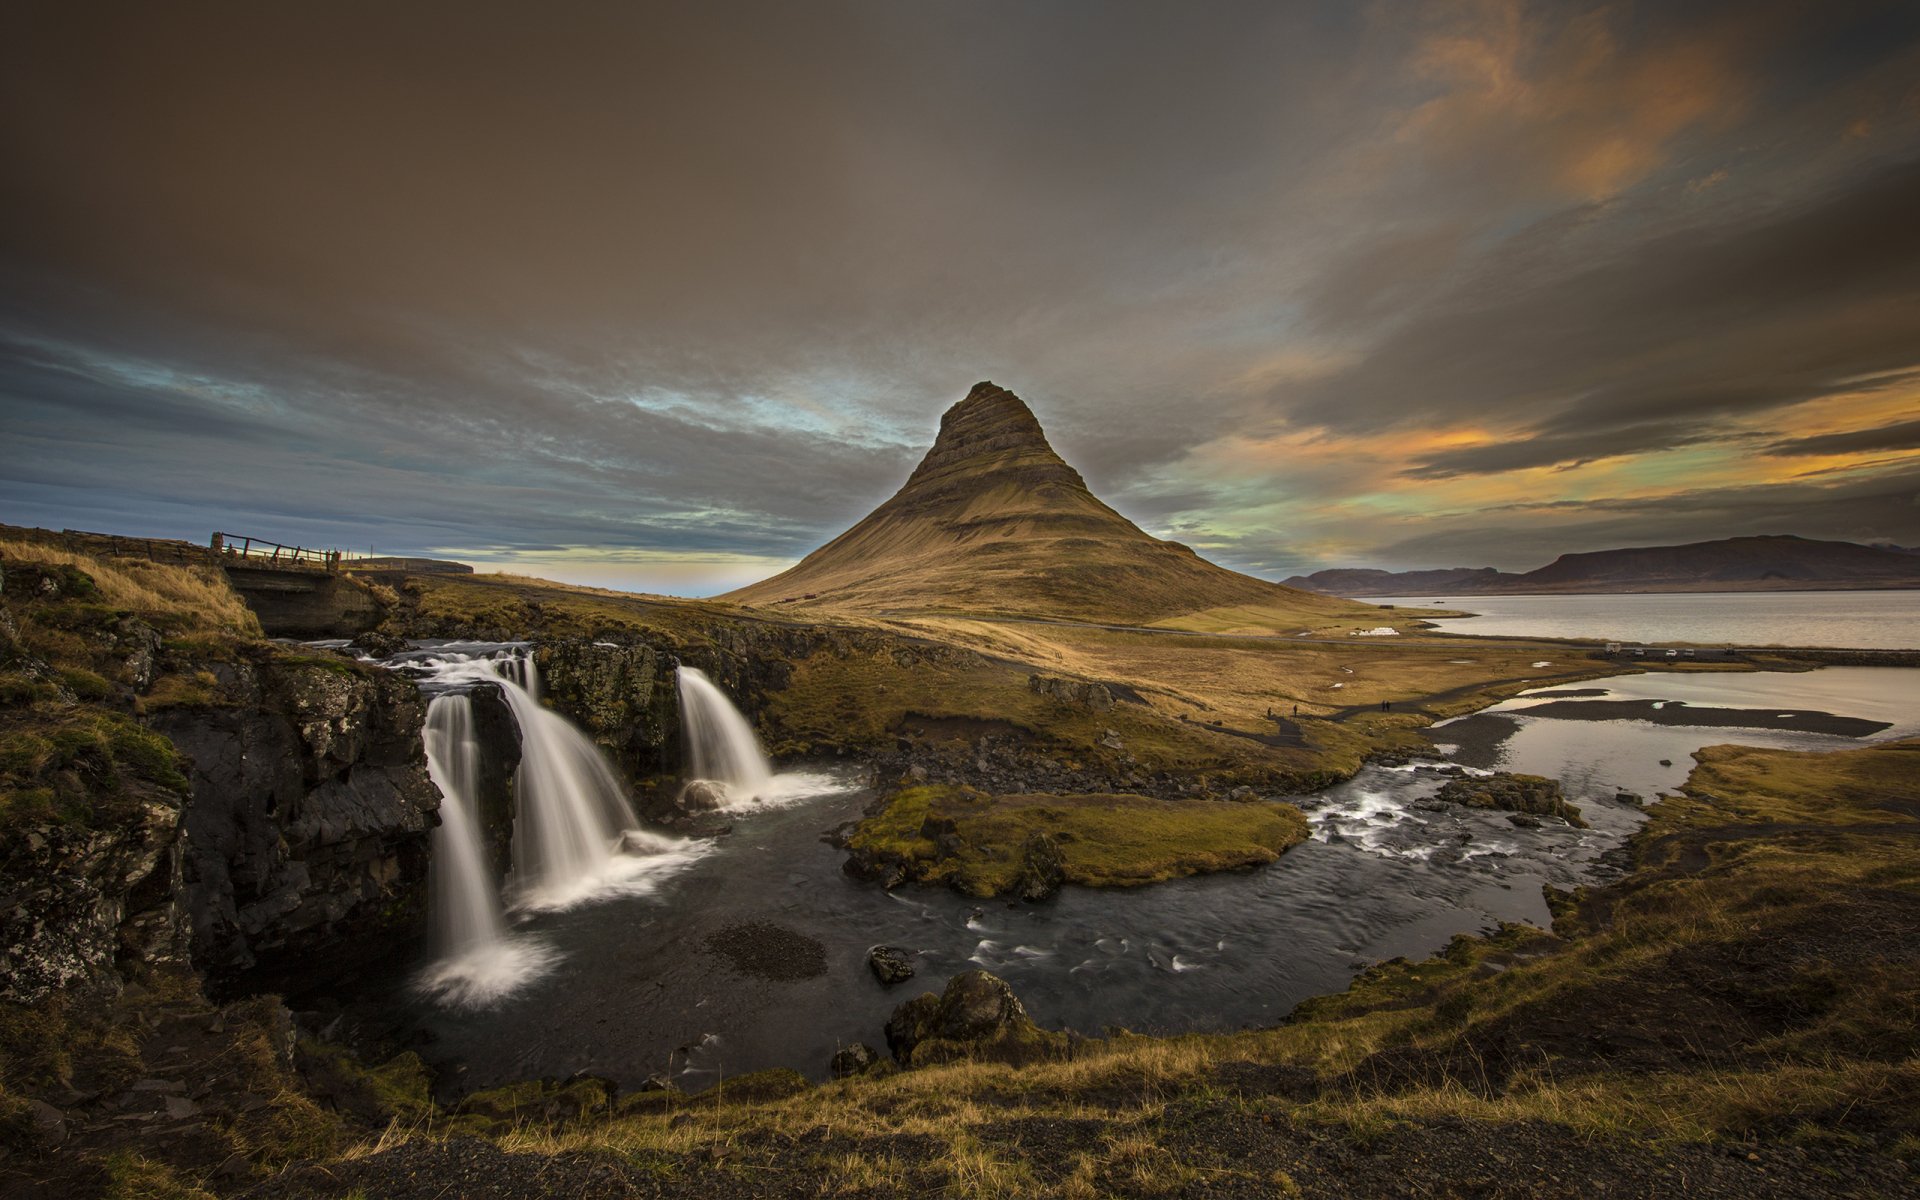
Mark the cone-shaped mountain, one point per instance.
(992, 521)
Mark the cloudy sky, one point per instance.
(665, 296)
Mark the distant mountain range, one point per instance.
(1742, 564)
(994, 522)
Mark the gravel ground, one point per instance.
(768, 951)
(1215, 1150)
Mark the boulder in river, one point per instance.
(889, 964)
(1532, 794)
(700, 795)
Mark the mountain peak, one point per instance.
(992, 520)
(989, 433)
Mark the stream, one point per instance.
(647, 984)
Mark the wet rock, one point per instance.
(380, 645)
(889, 964)
(977, 1016)
(1633, 798)
(1530, 794)
(853, 1060)
(701, 796)
(1523, 821)
(768, 951)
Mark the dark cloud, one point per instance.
(1902, 436)
(1702, 322)
(1880, 509)
(1559, 449)
(676, 279)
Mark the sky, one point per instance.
(662, 297)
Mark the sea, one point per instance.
(1880, 620)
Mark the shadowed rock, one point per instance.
(976, 1017)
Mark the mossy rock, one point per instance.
(401, 1087)
(758, 1087)
(976, 1018)
(1026, 845)
(1534, 794)
(544, 1101)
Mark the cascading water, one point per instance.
(463, 901)
(575, 837)
(720, 744)
(573, 817)
(476, 960)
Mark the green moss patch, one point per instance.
(979, 843)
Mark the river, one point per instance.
(641, 990)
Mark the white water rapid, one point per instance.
(720, 744)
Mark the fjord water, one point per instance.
(641, 992)
(1888, 620)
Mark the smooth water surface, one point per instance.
(1855, 620)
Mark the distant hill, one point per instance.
(994, 522)
(1779, 562)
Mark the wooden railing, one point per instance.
(227, 547)
(113, 545)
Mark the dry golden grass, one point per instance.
(198, 598)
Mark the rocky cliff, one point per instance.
(310, 810)
(175, 788)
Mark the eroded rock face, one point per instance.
(310, 810)
(623, 694)
(977, 1016)
(84, 906)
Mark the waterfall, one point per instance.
(572, 819)
(575, 837)
(463, 903)
(720, 743)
